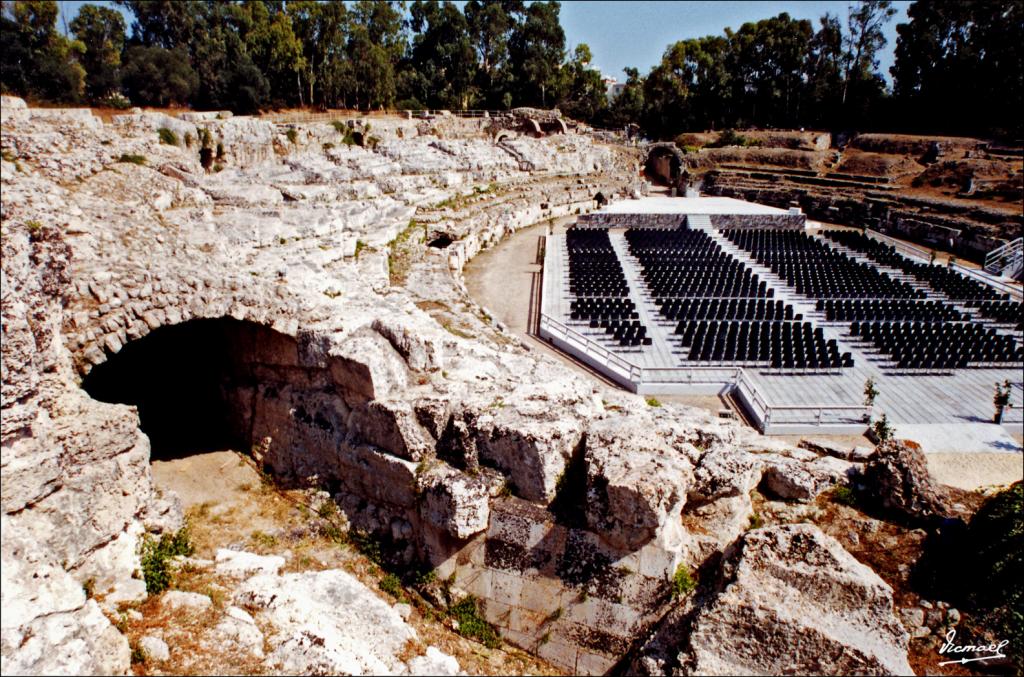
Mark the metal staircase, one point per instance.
(1006, 260)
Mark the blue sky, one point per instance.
(632, 33)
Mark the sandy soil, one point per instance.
(975, 470)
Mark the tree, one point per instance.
(586, 97)
(273, 48)
(38, 61)
(101, 31)
(628, 106)
(973, 49)
(165, 23)
(536, 52)
(156, 76)
(376, 44)
(490, 27)
(442, 54)
(824, 73)
(322, 29)
(862, 84)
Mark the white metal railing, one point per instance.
(1001, 258)
(924, 255)
(767, 413)
(902, 247)
(1000, 286)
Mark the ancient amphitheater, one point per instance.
(265, 327)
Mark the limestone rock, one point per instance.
(327, 622)
(630, 496)
(794, 601)
(240, 564)
(188, 601)
(897, 479)
(156, 649)
(724, 472)
(434, 662)
(455, 501)
(790, 479)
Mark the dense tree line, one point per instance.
(958, 64)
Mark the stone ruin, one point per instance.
(266, 303)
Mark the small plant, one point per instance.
(220, 150)
(756, 521)
(205, 140)
(189, 139)
(1001, 400)
(882, 429)
(218, 167)
(89, 587)
(360, 246)
(653, 402)
(138, 654)
(472, 624)
(843, 495)
(870, 392)
(263, 539)
(133, 159)
(683, 583)
(33, 226)
(391, 585)
(156, 557)
(293, 136)
(167, 136)
(339, 126)
(328, 146)
(8, 156)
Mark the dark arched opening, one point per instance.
(194, 383)
(663, 167)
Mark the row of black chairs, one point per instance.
(725, 309)
(603, 308)
(848, 310)
(594, 268)
(1004, 312)
(939, 345)
(784, 345)
(688, 263)
(816, 270)
(628, 333)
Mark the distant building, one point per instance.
(613, 88)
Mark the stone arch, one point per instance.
(531, 127)
(209, 384)
(554, 126)
(664, 164)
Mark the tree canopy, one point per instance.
(961, 59)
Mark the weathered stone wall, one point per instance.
(762, 221)
(440, 432)
(601, 220)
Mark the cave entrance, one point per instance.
(192, 383)
(663, 166)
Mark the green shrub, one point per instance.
(293, 136)
(683, 583)
(138, 654)
(472, 624)
(391, 585)
(756, 521)
(653, 402)
(189, 139)
(339, 126)
(167, 136)
(220, 150)
(156, 558)
(134, 159)
(844, 495)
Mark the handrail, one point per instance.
(998, 285)
(1001, 257)
(925, 255)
